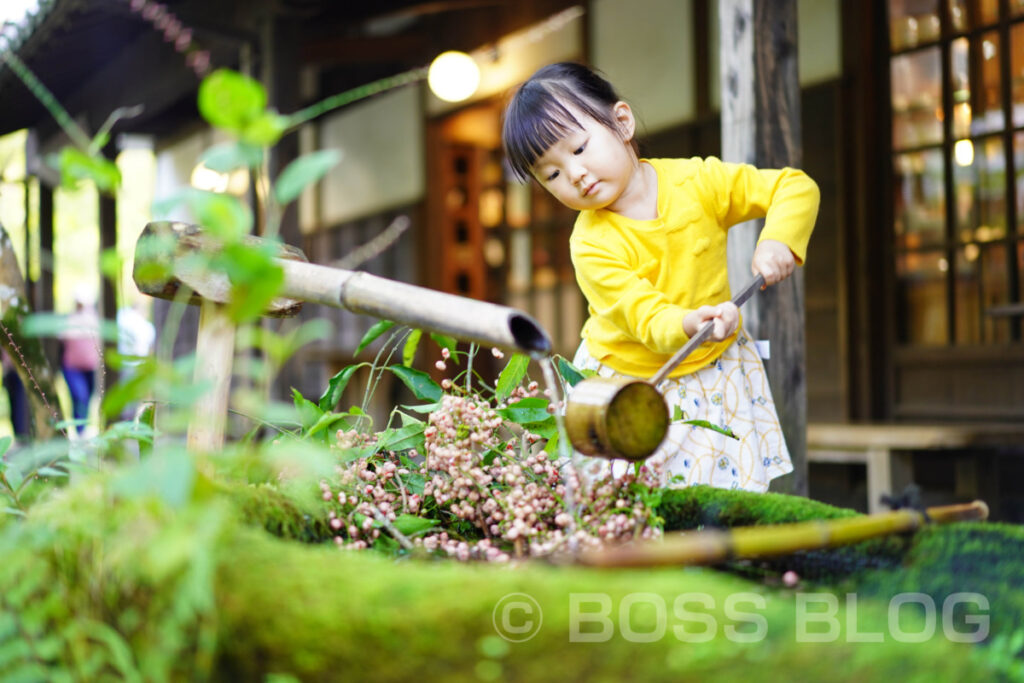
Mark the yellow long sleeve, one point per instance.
(641, 277)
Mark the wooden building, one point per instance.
(912, 124)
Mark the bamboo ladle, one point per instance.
(625, 417)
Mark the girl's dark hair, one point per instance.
(536, 117)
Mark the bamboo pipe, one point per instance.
(428, 309)
(716, 546)
(167, 244)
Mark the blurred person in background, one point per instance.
(81, 354)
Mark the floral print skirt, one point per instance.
(732, 392)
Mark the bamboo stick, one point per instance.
(715, 546)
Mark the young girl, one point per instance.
(649, 249)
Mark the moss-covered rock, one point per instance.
(108, 582)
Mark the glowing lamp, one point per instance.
(453, 76)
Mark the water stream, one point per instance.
(566, 453)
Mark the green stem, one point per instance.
(354, 95)
(43, 94)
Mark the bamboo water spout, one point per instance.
(167, 242)
(714, 546)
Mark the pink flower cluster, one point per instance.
(489, 486)
(175, 32)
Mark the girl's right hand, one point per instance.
(726, 317)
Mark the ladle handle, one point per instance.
(704, 332)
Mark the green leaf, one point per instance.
(526, 411)
(230, 100)
(266, 129)
(378, 328)
(5, 444)
(423, 409)
(51, 472)
(302, 172)
(677, 413)
(168, 474)
(223, 216)
(551, 447)
(713, 427)
(256, 278)
(13, 511)
(309, 412)
(336, 387)
(446, 342)
(511, 376)
(76, 166)
(419, 383)
(569, 372)
(410, 525)
(323, 423)
(546, 428)
(111, 264)
(412, 343)
(231, 156)
(403, 438)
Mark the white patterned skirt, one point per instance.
(732, 392)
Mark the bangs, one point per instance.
(536, 119)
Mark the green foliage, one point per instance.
(76, 165)
(511, 375)
(304, 171)
(230, 100)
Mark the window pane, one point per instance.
(919, 201)
(979, 176)
(1017, 72)
(1016, 7)
(913, 22)
(985, 12)
(976, 84)
(922, 297)
(917, 99)
(1018, 163)
(981, 282)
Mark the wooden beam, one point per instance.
(761, 126)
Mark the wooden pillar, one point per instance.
(108, 293)
(761, 126)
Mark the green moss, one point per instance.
(100, 585)
(266, 506)
(361, 617)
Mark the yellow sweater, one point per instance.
(640, 277)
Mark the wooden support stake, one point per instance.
(215, 348)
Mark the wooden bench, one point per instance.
(887, 449)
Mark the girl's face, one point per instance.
(591, 168)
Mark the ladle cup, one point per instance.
(625, 417)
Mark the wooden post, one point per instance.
(761, 126)
(215, 349)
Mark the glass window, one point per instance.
(959, 124)
(920, 200)
(923, 316)
(979, 179)
(917, 99)
(913, 22)
(981, 282)
(976, 85)
(1017, 72)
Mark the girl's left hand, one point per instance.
(773, 260)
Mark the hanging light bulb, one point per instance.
(453, 76)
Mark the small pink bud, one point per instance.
(440, 365)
